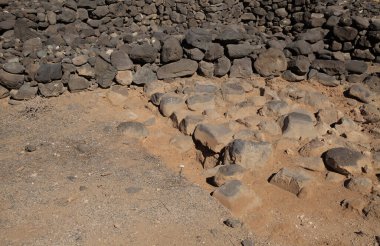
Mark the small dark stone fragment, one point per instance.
(233, 223)
(30, 148)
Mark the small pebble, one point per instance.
(233, 223)
(71, 178)
(132, 190)
(82, 188)
(30, 148)
(247, 242)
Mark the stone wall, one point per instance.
(47, 46)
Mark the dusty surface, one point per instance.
(87, 185)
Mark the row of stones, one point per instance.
(254, 112)
(107, 16)
(191, 13)
(169, 57)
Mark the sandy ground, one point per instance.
(87, 185)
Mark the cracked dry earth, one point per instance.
(72, 174)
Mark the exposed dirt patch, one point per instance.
(86, 184)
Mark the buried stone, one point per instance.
(298, 125)
(235, 196)
(189, 123)
(359, 184)
(200, 102)
(133, 129)
(169, 104)
(291, 179)
(227, 173)
(360, 92)
(214, 137)
(248, 154)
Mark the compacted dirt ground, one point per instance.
(68, 177)
(86, 185)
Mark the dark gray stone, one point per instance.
(52, 89)
(67, 15)
(144, 75)
(230, 35)
(214, 137)
(25, 92)
(23, 32)
(104, 72)
(181, 68)
(360, 92)
(362, 185)
(233, 223)
(231, 188)
(199, 38)
(343, 160)
(189, 123)
(228, 172)
(291, 179)
(49, 72)
(298, 125)
(292, 77)
(169, 104)
(239, 50)
(370, 112)
(206, 69)
(11, 81)
(200, 101)
(300, 47)
(195, 54)
(14, 67)
(323, 79)
(247, 242)
(222, 66)
(312, 35)
(360, 22)
(171, 50)
(214, 52)
(373, 82)
(330, 67)
(358, 67)
(241, 68)
(300, 65)
(77, 83)
(248, 154)
(7, 25)
(133, 129)
(3, 92)
(345, 33)
(275, 108)
(144, 53)
(205, 88)
(121, 61)
(363, 54)
(271, 62)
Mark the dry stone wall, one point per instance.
(50, 46)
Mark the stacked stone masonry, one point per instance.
(51, 46)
